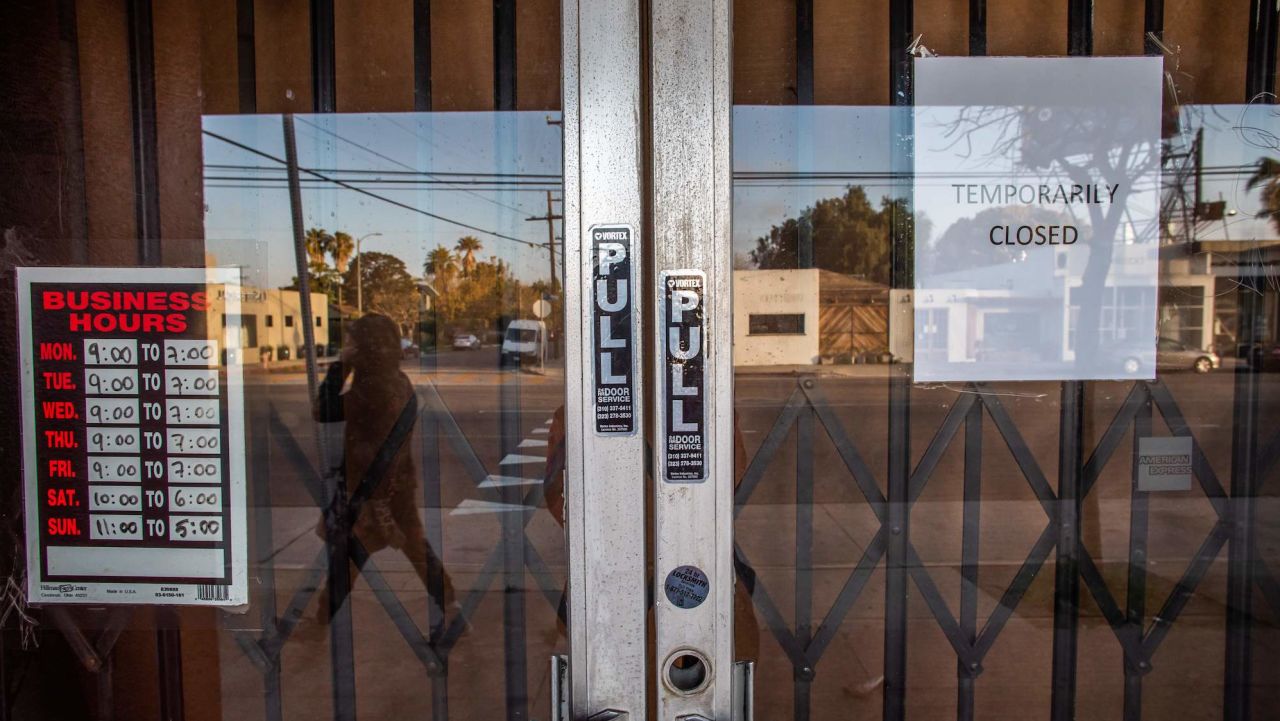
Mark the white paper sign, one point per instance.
(133, 436)
(1038, 180)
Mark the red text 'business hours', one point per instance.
(125, 311)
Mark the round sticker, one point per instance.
(687, 587)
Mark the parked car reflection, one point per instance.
(1175, 355)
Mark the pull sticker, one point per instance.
(613, 285)
(683, 326)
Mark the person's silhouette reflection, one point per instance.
(380, 411)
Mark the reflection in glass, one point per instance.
(815, 198)
(434, 357)
(1046, 195)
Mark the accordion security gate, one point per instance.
(1138, 630)
(1059, 489)
(438, 433)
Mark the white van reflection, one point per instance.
(524, 345)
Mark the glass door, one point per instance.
(942, 510)
(379, 194)
(583, 359)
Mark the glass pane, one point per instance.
(899, 542)
(374, 191)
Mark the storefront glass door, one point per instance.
(608, 359)
(349, 503)
(943, 510)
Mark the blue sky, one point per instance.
(1235, 136)
(248, 222)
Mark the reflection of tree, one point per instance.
(322, 276)
(475, 300)
(467, 247)
(441, 266)
(1267, 175)
(482, 296)
(317, 240)
(850, 235)
(342, 246)
(387, 286)
(1087, 145)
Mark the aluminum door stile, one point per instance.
(604, 483)
(693, 521)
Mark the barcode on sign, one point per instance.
(212, 592)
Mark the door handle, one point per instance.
(743, 695)
(560, 695)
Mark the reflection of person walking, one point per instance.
(374, 409)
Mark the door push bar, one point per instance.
(744, 708)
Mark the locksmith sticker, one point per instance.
(686, 587)
(682, 318)
(1164, 464)
(613, 329)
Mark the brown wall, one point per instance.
(1211, 39)
(178, 53)
(462, 55)
(851, 48)
(944, 25)
(282, 48)
(41, 133)
(219, 61)
(1026, 27)
(764, 53)
(374, 45)
(851, 53)
(374, 55)
(538, 55)
(108, 131)
(1118, 27)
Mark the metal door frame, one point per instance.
(693, 522)
(604, 474)
(608, 671)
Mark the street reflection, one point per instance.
(405, 423)
(820, 328)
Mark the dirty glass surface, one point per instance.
(389, 204)
(968, 545)
(416, 222)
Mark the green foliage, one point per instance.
(321, 245)
(470, 294)
(479, 297)
(318, 242)
(467, 247)
(440, 264)
(1267, 175)
(850, 235)
(387, 286)
(341, 248)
